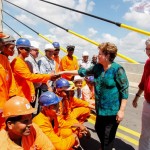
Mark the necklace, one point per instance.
(104, 71)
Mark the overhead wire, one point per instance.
(39, 34)
(19, 35)
(11, 28)
(103, 19)
(74, 33)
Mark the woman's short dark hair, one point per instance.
(109, 49)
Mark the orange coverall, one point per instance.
(24, 78)
(72, 109)
(63, 140)
(57, 60)
(67, 63)
(7, 84)
(37, 140)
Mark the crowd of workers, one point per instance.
(61, 92)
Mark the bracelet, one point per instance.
(137, 95)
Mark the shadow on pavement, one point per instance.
(89, 144)
(121, 145)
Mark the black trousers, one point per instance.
(106, 127)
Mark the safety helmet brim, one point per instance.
(17, 106)
(49, 98)
(8, 40)
(56, 102)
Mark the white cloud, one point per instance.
(142, 20)
(108, 37)
(25, 19)
(139, 13)
(90, 6)
(92, 32)
(142, 7)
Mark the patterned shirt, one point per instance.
(111, 87)
(46, 66)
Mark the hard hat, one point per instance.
(72, 87)
(23, 42)
(3, 35)
(70, 47)
(17, 106)
(34, 45)
(62, 83)
(90, 79)
(49, 98)
(85, 53)
(49, 47)
(56, 45)
(77, 78)
(7, 40)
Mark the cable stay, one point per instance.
(74, 33)
(103, 19)
(42, 36)
(11, 28)
(19, 35)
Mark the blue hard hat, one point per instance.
(49, 98)
(56, 45)
(23, 42)
(62, 83)
(90, 79)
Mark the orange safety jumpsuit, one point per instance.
(57, 66)
(73, 108)
(24, 78)
(62, 139)
(7, 84)
(67, 63)
(37, 140)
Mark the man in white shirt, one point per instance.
(85, 63)
(47, 65)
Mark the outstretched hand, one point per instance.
(55, 76)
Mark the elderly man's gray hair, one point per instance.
(147, 42)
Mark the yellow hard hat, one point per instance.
(17, 106)
(72, 87)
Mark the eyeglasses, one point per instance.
(26, 49)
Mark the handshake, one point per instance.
(54, 76)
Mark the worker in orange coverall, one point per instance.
(56, 56)
(69, 62)
(7, 82)
(74, 107)
(22, 74)
(62, 139)
(20, 133)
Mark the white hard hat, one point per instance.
(49, 47)
(85, 53)
(77, 78)
(34, 45)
